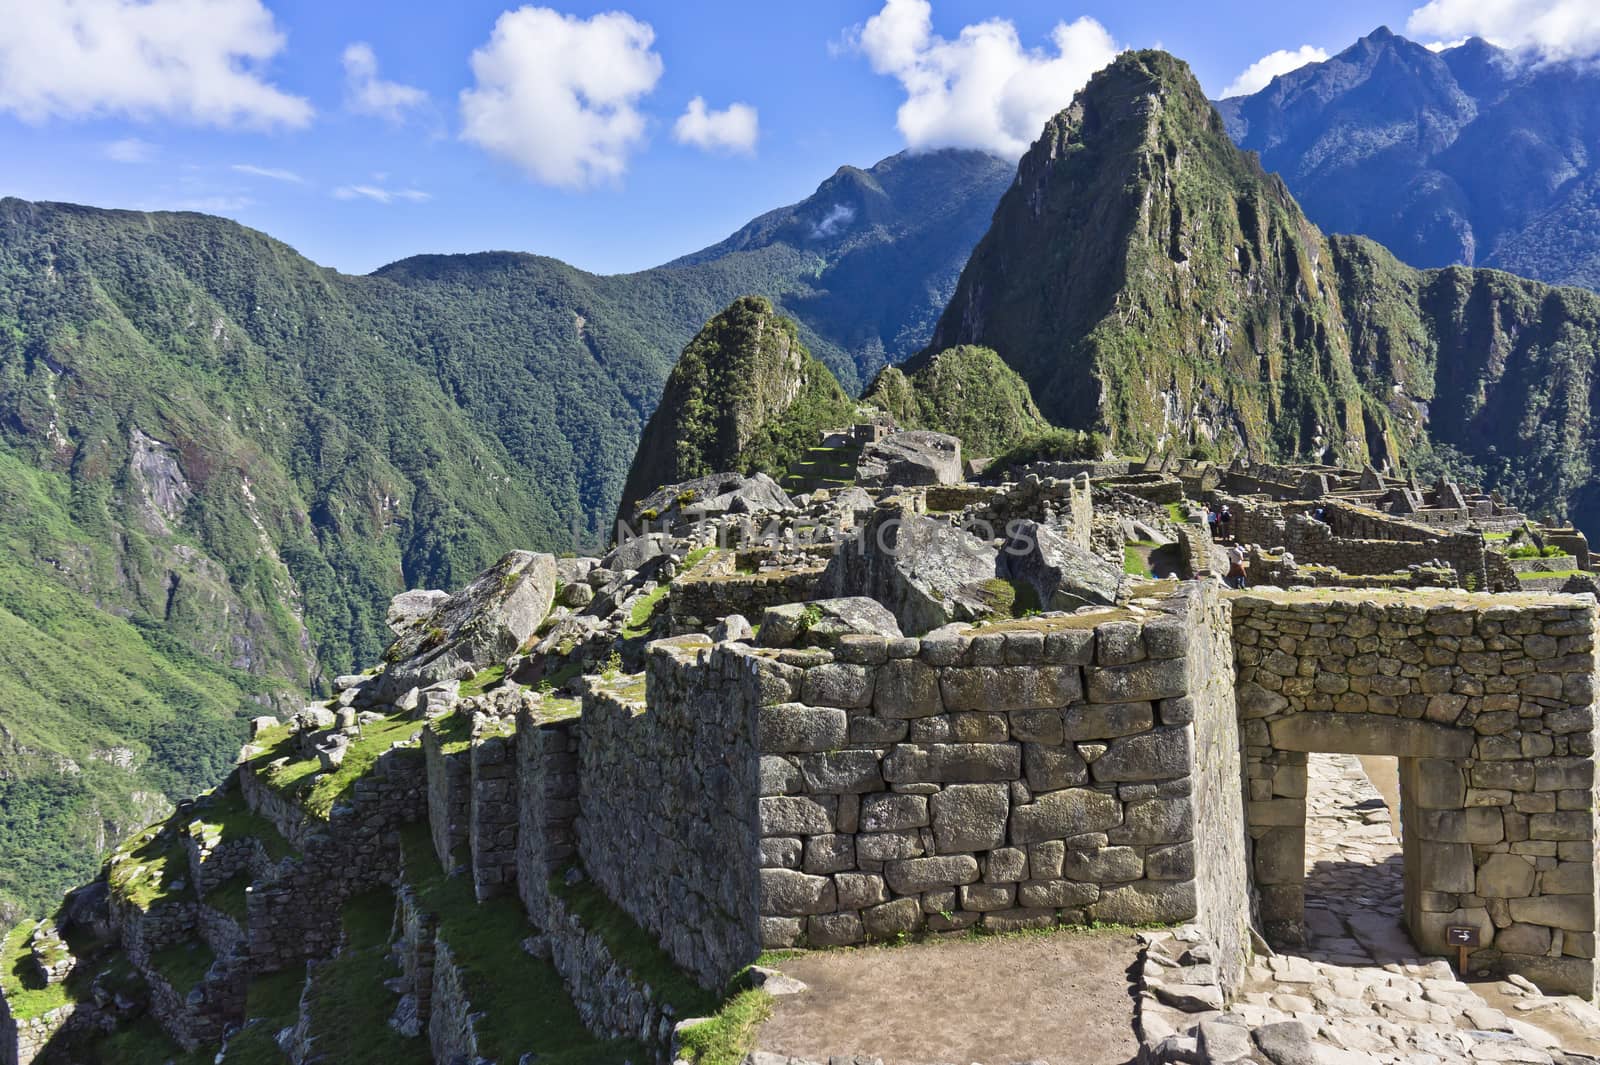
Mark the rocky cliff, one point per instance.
(744, 396)
(1470, 156)
(965, 391)
(1150, 281)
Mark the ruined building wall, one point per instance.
(1019, 775)
(1488, 702)
(667, 800)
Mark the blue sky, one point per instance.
(571, 138)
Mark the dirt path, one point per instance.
(1061, 997)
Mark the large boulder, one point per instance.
(913, 457)
(633, 553)
(680, 506)
(926, 571)
(484, 623)
(1061, 574)
(823, 622)
(407, 608)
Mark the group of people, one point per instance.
(1220, 522)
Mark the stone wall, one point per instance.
(666, 826)
(1488, 702)
(1069, 502)
(713, 590)
(295, 915)
(494, 806)
(449, 799)
(1219, 854)
(1017, 775)
(547, 803)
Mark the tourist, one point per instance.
(1225, 523)
(1237, 569)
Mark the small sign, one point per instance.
(1461, 935)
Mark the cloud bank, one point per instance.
(1556, 29)
(557, 95)
(733, 129)
(367, 94)
(984, 89)
(1259, 75)
(193, 61)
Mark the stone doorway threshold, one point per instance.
(1359, 983)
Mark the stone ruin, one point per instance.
(739, 737)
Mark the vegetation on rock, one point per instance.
(966, 391)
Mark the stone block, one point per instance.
(888, 846)
(834, 930)
(780, 852)
(793, 728)
(1523, 939)
(1056, 893)
(1370, 734)
(1052, 768)
(1146, 902)
(1574, 912)
(913, 876)
(829, 854)
(1445, 867)
(1479, 824)
(984, 897)
(952, 763)
(852, 772)
(858, 891)
(1003, 688)
(907, 688)
(1505, 876)
(794, 815)
(1172, 862)
(970, 817)
(1105, 865)
(884, 812)
(1280, 855)
(1438, 784)
(1108, 721)
(1563, 825)
(787, 893)
(1005, 865)
(1156, 821)
(1556, 774)
(1140, 682)
(838, 684)
(900, 917)
(1045, 859)
(1160, 754)
(779, 933)
(779, 776)
(1059, 814)
(1038, 726)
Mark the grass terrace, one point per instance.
(26, 994)
(150, 868)
(183, 965)
(522, 1002)
(280, 767)
(224, 816)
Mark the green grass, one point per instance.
(483, 681)
(1539, 575)
(694, 558)
(271, 1003)
(522, 999)
(729, 1036)
(229, 898)
(145, 1042)
(1133, 561)
(1175, 512)
(644, 611)
(183, 964)
(302, 779)
(26, 995)
(635, 948)
(454, 731)
(226, 817)
(148, 868)
(350, 1008)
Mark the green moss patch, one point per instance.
(301, 779)
(483, 681)
(150, 868)
(225, 817)
(26, 995)
(729, 1036)
(644, 611)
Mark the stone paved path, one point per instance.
(1358, 984)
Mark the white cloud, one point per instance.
(367, 94)
(270, 172)
(983, 89)
(1445, 46)
(557, 95)
(733, 129)
(130, 150)
(379, 194)
(1259, 75)
(1556, 29)
(194, 61)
